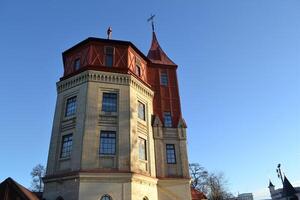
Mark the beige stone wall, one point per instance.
(67, 188)
(174, 189)
(144, 187)
(86, 126)
(67, 125)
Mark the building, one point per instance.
(118, 131)
(243, 196)
(197, 195)
(287, 192)
(11, 190)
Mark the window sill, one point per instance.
(104, 113)
(106, 156)
(65, 159)
(144, 122)
(143, 161)
(73, 117)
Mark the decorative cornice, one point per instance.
(103, 77)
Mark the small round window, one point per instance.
(106, 197)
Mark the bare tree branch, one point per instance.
(37, 173)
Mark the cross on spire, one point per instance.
(151, 18)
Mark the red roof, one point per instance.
(157, 55)
(197, 195)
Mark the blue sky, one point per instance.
(239, 69)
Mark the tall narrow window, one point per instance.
(66, 146)
(164, 78)
(107, 143)
(141, 111)
(70, 106)
(77, 64)
(167, 119)
(142, 149)
(109, 56)
(109, 102)
(138, 67)
(171, 156)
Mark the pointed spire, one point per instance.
(271, 184)
(288, 189)
(157, 55)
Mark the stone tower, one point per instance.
(118, 132)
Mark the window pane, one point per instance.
(164, 79)
(107, 143)
(109, 56)
(167, 119)
(66, 146)
(106, 197)
(171, 157)
(142, 149)
(138, 70)
(109, 102)
(77, 64)
(141, 110)
(70, 107)
(138, 67)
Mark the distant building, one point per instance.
(288, 192)
(243, 196)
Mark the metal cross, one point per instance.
(151, 18)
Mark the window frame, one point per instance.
(102, 144)
(109, 108)
(70, 107)
(168, 123)
(138, 67)
(171, 151)
(66, 147)
(144, 153)
(144, 111)
(109, 55)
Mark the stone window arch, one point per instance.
(106, 197)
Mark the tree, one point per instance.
(211, 184)
(216, 185)
(199, 176)
(37, 173)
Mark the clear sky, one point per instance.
(239, 69)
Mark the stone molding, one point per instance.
(103, 77)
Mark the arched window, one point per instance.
(106, 197)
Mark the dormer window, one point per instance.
(138, 65)
(109, 56)
(77, 64)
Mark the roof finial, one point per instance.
(151, 18)
(279, 172)
(109, 32)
